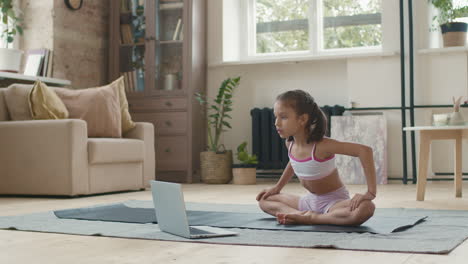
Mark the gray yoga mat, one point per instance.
(378, 224)
(442, 231)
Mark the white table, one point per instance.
(429, 133)
(17, 77)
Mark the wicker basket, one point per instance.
(216, 167)
(244, 175)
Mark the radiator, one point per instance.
(267, 144)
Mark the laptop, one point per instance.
(170, 210)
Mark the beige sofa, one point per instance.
(56, 157)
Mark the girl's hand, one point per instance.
(267, 192)
(358, 198)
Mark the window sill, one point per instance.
(305, 58)
(461, 49)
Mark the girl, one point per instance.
(312, 158)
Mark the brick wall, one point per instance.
(79, 38)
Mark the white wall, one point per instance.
(370, 81)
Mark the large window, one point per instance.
(460, 4)
(283, 26)
(351, 23)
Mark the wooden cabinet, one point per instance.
(159, 46)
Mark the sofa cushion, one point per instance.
(45, 104)
(4, 116)
(127, 122)
(115, 150)
(16, 98)
(99, 107)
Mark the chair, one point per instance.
(56, 157)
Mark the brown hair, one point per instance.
(303, 103)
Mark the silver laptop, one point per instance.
(169, 205)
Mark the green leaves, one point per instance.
(218, 111)
(447, 12)
(243, 156)
(12, 22)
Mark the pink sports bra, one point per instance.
(312, 168)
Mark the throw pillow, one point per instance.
(127, 122)
(99, 107)
(16, 98)
(45, 104)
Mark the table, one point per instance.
(429, 133)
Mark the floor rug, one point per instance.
(440, 233)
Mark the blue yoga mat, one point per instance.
(378, 224)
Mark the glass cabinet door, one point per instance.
(132, 45)
(169, 46)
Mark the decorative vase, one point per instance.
(10, 60)
(456, 119)
(216, 167)
(170, 81)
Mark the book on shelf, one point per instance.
(50, 64)
(177, 29)
(124, 6)
(181, 34)
(171, 5)
(126, 36)
(39, 62)
(33, 65)
(134, 80)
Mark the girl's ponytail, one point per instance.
(317, 123)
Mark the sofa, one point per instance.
(56, 157)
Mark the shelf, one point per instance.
(162, 42)
(460, 49)
(177, 92)
(171, 6)
(47, 80)
(134, 44)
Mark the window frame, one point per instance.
(315, 19)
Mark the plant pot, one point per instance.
(10, 60)
(216, 167)
(454, 34)
(244, 174)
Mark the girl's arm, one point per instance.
(363, 152)
(287, 175)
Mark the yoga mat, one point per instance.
(442, 231)
(121, 213)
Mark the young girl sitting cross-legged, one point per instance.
(312, 158)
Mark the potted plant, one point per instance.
(453, 33)
(10, 59)
(246, 171)
(216, 162)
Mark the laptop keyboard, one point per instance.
(196, 231)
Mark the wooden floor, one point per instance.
(33, 247)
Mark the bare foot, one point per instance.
(304, 218)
